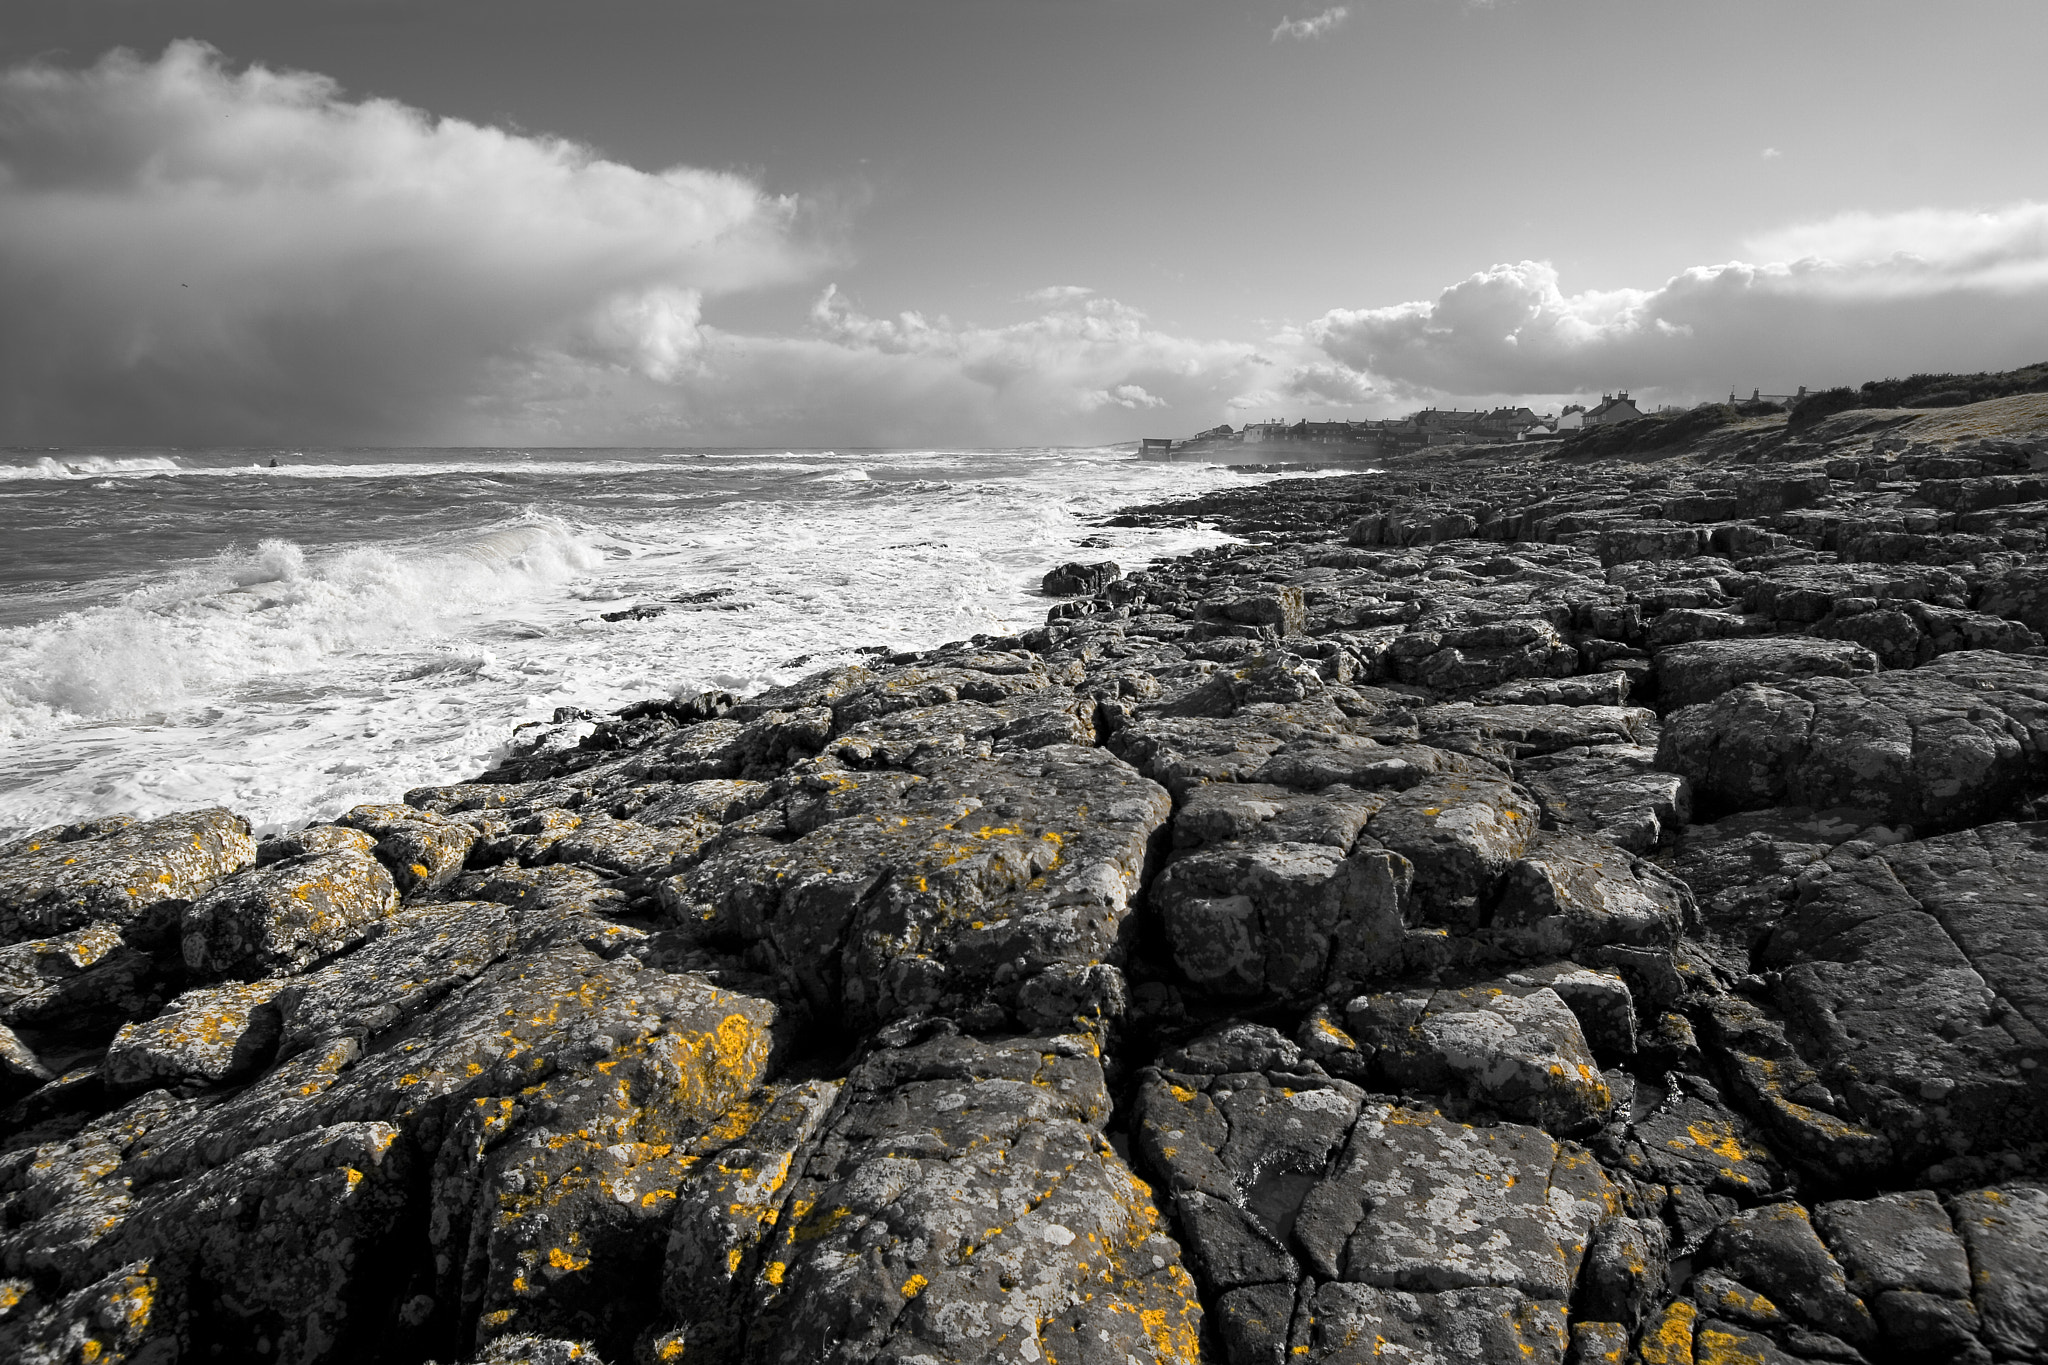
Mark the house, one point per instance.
(1505, 424)
(1323, 433)
(1573, 418)
(1783, 400)
(1258, 433)
(1613, 408)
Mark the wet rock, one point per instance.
(286, 916)
(1078, 579)
(51, 886)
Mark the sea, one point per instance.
(289, 633)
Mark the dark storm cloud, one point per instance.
(190, 252)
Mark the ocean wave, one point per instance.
(91, 467)
(271, 612)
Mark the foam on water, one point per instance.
(89, 467)
(290, 681)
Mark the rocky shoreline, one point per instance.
(1510, 908)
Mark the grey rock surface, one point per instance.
(1507, 907)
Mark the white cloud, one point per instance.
(1849, 298)
(1771, 154)
(1305, 30)
(911, 379)
(1058, 293)
(194, 253)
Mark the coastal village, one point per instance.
(1416, 431)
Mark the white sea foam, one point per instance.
(269, 612)
(90, 467)
(291, 683)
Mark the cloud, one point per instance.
(1844, 299)
(1305, 30)
(1771, 154)
(858, 378)
(192, 253)
(197, 255)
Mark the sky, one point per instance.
(991, 222)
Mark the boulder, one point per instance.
(208, 1034)
(53, 883)
(1079, 579)
(285, 917)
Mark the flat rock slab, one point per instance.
(1909, 978)
(1936, 747)
(1690, 674)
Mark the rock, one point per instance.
(207, 1034)
(1935, 747)
(935, 895)
(1516, 1049)
(415, 958)
(313, 839)
(1902, 1240)
(1614, 791)
(1279, 919)
(52, 887)
(1690, 674)
(1280, 609)
(1463, 1324)
(815, 1023)
(80, 979)
(1570, 894)
(286, 916)
(1899, 1018)
(940, 1255)
(2005, 1229)
(1078, 579)
(422, 851)
(1776, 1249)
(1460, 834)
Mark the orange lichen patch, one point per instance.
(560, 1258)
(1713, 1346)
(1668, 1339)
(1720, 1139)
(809, 1229)
(914, 1286)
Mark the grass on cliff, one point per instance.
(1920, 391)
(1647, 434)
